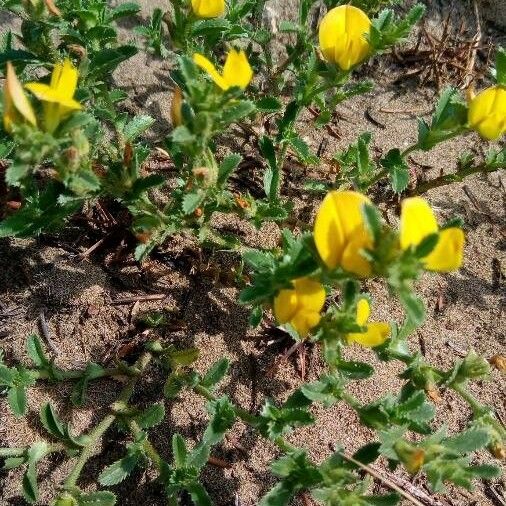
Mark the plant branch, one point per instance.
(452, 178)
(104, 425)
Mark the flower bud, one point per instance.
(65, 500)
(201, 172)
(487, 113)
(175, 108)
(499, 362)
(342, 36)
(51, 7)
(472, 367)
(198, 212)
(208, 8)
(498, 450)
(411, 457)
(17, 107)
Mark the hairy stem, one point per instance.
(452, 178)
(102, 427)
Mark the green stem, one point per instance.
(476, 406)
(76, 374)
(244, 415)
(384, 172)
(351, 400)
(409, 150)
(452, 178)
(148, 447)
(102, 427)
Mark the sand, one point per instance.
(465, 309)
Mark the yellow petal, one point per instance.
(237, 70)
(376, 334)
(448, 253)
(304, 321)
(15, 100)
(285, 305)
(208, 8)
(64, 79)
(342, 36)
(353, 259)
(417, 222)
(337, 221)
(363, 312)
(47, 94)
(208, 66)
(310, 294)
(487, 112)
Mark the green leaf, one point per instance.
(209, 27)
(227, 166)
(184, 357)
(13, 462)
(181, 135)
(215, 373)
(382, 500)
(500, 66)
(124, 10)
(92, 371)
(368, 453)
(36, 351)
(271, 176)
(268, 104)
(467, 442)
(101, 498)
(30, 488)
(199, 494)
(179, 451)
(256, 317)
(177, 382)
(223, 417)
(105, 61)
(258, 260)
(7, 375)
(41, 211)
(51, 422)
(486, 471)
(137, 127)
(426, 246)
(398, 170)
(191, 201)
(152, 416)
(373, 221)
(237, 111)
(119, 470)
(414, 307)
(17, 400)
(355, 370)
(328, 390)
(302, 150)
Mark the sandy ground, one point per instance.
(465, 309)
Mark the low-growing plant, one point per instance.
(68, 141)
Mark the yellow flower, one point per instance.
(236, 71)
(342, 36)
(340, 232)
(487, 113)
(418, 222)
(208, 8)
(375, 334)
(16, 104)
(301, 305)
(58, 95)
(175, 107)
